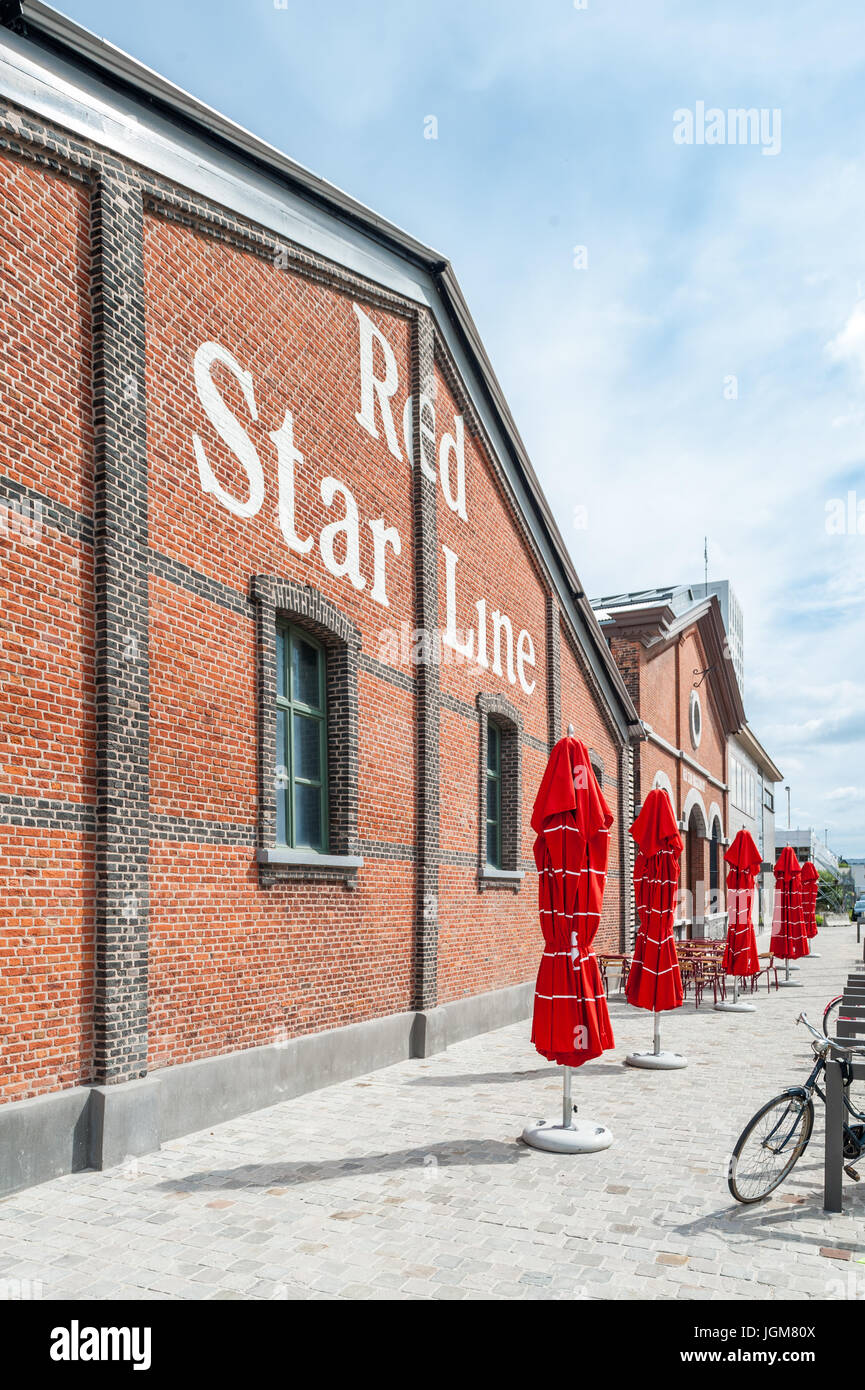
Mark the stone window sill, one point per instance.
(279, 864)
(488, 877)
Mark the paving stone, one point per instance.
(280, 1205)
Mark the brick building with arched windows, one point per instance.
(671, 648)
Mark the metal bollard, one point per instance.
(834, 1151)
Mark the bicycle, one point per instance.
(776, 1137)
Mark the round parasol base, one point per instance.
(656, 1061)
(726, 1006)
(581, 1137)
(814, 955)
(789, 984)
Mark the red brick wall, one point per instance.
(713, 742)
(232, 964)
(495, 564)
(589, 725)
(490, 939)
(46, 654)
(659, 705)
(661, 686)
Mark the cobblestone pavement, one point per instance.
(412, 1182)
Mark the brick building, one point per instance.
(288, 629)
(671, 649)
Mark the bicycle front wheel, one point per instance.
(769, 1146)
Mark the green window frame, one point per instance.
(494, 795)
(301, 740)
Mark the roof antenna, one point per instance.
(706, 566)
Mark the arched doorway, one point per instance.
(714, 906)
(695, 879)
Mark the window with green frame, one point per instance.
(494, 795)
(301, 740)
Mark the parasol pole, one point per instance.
(567, 1103)
(787, 981)
(656, 1060)
(735, 1005)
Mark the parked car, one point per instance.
(859, 909)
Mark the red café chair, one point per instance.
(692, 976)
(620, 963)
(767, 971)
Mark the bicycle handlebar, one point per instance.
(838, 1044)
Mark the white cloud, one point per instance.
(849, 345)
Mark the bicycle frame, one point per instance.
(823, 1045)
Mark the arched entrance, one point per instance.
(695, 878)
(714, 906)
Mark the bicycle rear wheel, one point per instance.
(769, 1146)
(830, 1015)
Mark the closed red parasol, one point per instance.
(789, 941)
(743, 857)
(654, 980)
(810, 884)
(571, 1024)
(741, 959)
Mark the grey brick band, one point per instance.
(201, 585)
(401, 679)
(35, 510)
(40, 813)
(425, 963)
(554, 671)
(628, 916)
(189, 830)
(122, 664)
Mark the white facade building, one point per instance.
(808, 845)
(857, 869)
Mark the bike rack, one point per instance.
(852, 1026)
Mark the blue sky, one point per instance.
(704, 262)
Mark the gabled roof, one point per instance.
(53, 66)
(754, 748)
(658, 617)
(677, 597)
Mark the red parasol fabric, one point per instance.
(654, 979)
(571, 1023)
(810, 884)
(789, 941)
(740, 955)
